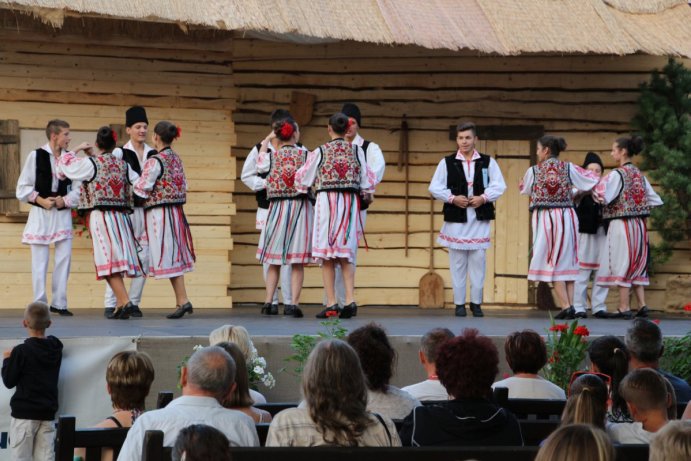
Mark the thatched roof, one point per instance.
(657, 27)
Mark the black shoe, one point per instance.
(347, 311)
(566, 314)
(61, 312)
(460, 310)
(355, 310)
(135, 311)
(292, 310)
(266, 309)
(108, 311)
(581, 315)
(643, 312)
(273, 310)
(602, 315)
(181, 310)
(334, 308)
(121, 312)
(626, 315)
(476, 310)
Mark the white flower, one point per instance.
(260, 361)
(197, 347)
(269, 380)
(258, 370)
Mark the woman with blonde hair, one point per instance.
(672, 443)
(587, 402)
(577, 442)
(335, 393)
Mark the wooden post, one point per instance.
(10, 165)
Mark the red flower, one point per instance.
(331, 313)
(115, 137)
(656, 321)
(687, 308)
(179, 132)
(287, 130)
(581, 331)
(561, 328)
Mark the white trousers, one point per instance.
(286, 293)
(339, 286)
(598, 293)
(40, 255)
(464, 264)
(32, 440)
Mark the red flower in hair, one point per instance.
(287, 130)
(115, 137)
(179, 132)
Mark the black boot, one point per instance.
(136, 312)
(108, 311)
(347, 311)
(292, 310)
(476, 310)
(460, 310)
(566, 314)
(181, 310)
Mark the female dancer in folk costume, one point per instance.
(164, 188)
(106, 195)
(339, 174)
(592, 241)
(628, 197)
(554, 220)
(287, 236)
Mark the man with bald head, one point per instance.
(206, 381)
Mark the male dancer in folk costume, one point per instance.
(468, 183)
(135, 153)
(592, 241)
(164, 187)
(550, 185)
(50, 218)
(628, 197)
(256, 182)
(106, 196)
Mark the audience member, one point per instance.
(608, 355)
(687, 412)
(644, 342)
(577, 442)
(672, 442)
(378, 360)
(587, 402)
(335, 393)
(200, 442)
(526, 354)
(646, 396)
(672, 401)
(466, 365)
(239, 398)
(206, 380)
(33, 368)
(238, 335)
(431, 388)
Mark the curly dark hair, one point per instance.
(377, 357)
(525, 351)
(468, 364)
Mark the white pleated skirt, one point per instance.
(287, 236)
(115, 247)
(171, 251)
(555, 245)
(624, 262)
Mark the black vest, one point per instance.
(364, 205)
(131, 158)
(589, 215)
(44, 178)
(457, 183)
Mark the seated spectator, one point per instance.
(239, 398)
(200, 442)
(608, 355)
(238, 335)
(335, 393)
(466, 365)
(431, 388)
(209, 374)
(587, 402)
(644, 342)
(378, 360)
(526, 354)
(646, 396)
(577, 442)
(672, 442)
(672, 401)
(687, 412)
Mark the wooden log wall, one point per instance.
(588, 100)
(89, 73)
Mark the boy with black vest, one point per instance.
(50, 218)
(468, 183)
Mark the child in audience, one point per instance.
(672, 442)
(646, 396)
(33, 368)
(577, 442)
(587, 402)
(200, 442)
(608, 355)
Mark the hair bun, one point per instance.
(561, 142)
(636, 145)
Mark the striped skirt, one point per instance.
(171, 251)
(337, 226)
(115, 248)
(555, 245)
(287, 235)
(625, 259)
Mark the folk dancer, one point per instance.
(468, 183)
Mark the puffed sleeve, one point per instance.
(263, 162)
(376, 162)
(437, 187)
(26, 184)
(249, 175)
(526, 184)
(650, 195)
(307, 173)
(367, 176)
(610, 187)
(132, 175)
(496, 186)
(75, 168)
(581, 178)
(72, 198)
(151, 172)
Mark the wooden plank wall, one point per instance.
(89, 73)
(588, 100)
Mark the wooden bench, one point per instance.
(68, 438)
(275, 407)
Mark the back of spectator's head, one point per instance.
(377, 357)
(587, 402)
(211, 370)
(240, 397)
(672, 400)
(200, 442)
(577, 442)
(335, 391)
(234, 334)
(129, 376)
(432, 341)
(37, 316)
(609, 355)
(468, 364)
(525, 351)
(645, 390)
(644, 341)
(672, 442)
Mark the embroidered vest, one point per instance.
(457, 183)
(132, 160)
(169, 188)
(631, 201)
(339, 167)
(280, 182)
(109, 187)
(551, 186)
(44, 178)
